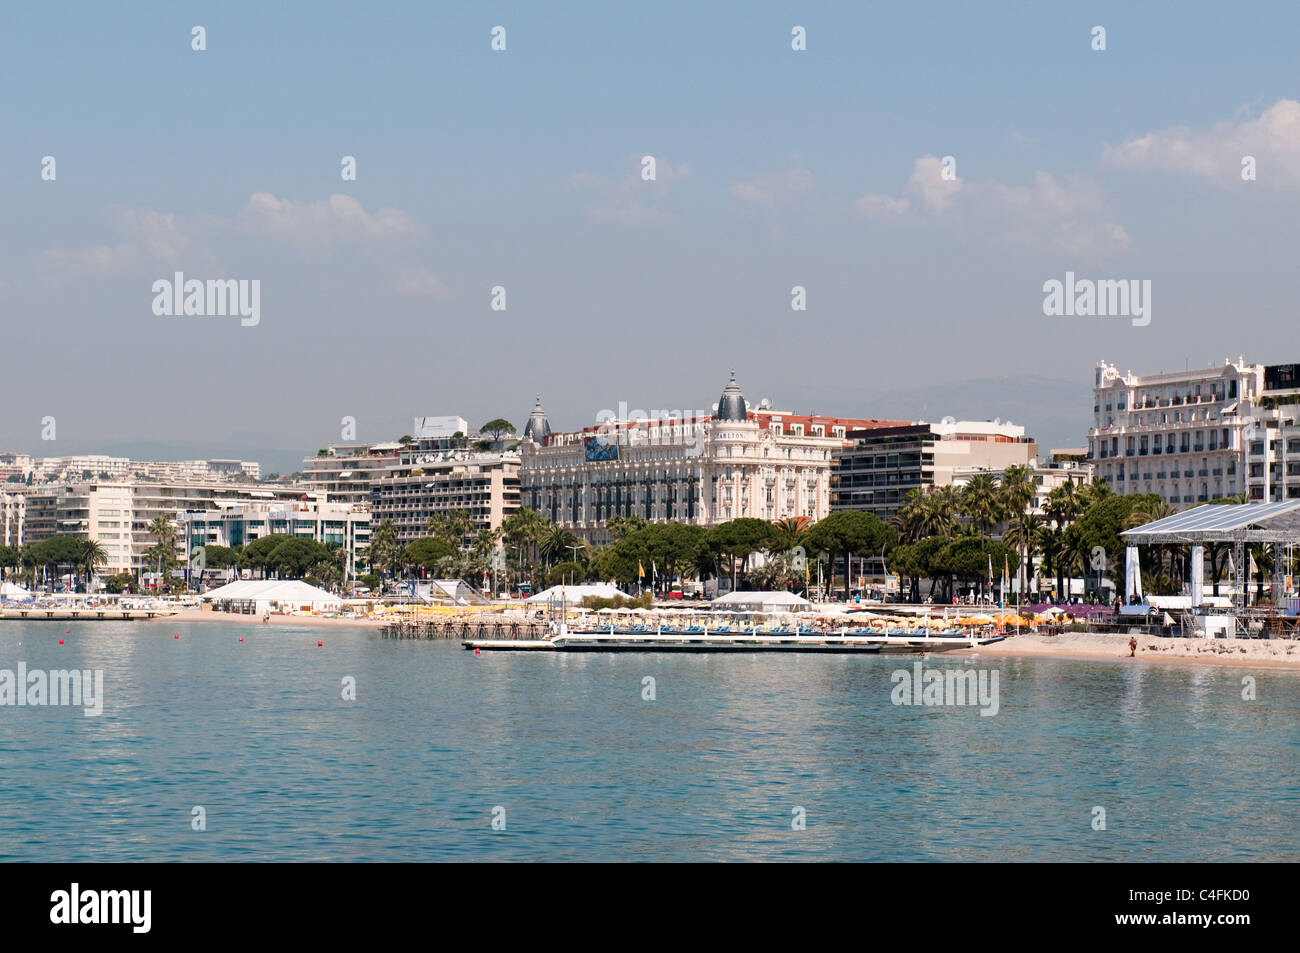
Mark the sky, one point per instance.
(522, 168)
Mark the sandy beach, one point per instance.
(1269, 653)
(235, 618)
(1087, 646)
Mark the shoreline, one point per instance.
(1074, 646)
(1101, 647)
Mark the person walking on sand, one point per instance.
(1132, 646)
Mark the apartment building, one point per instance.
(117, 513)
(238, 524)
(483, 485)
(879, 467)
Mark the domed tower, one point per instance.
(538, 427)
(731, 406)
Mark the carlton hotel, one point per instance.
(696, 469)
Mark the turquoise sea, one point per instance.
(567, 753)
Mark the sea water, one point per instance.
(209, 748)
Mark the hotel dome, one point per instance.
(731, 406)
(538, 427)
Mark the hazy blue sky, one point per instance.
(522, 169)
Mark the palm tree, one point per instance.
(453, 526)
(556, 542)
(928, 513)
(1148, 512)
(1017, 492)
(789, 533)
(164, 531)
(1063, 505)
(981, 501)
(92, 557)
(384, 551)
(1026, 535)
(522, 531)
(1094, 493)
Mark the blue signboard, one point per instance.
(598, 449)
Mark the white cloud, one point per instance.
(95, 259)
(147, 235)
(768, 191)
(326, 221)
(420, 282)
(158, 233)
(1273, 138)
(629, 199)
(1067, 215)
(926, 187)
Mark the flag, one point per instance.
(640, 570)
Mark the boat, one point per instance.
(723, 639)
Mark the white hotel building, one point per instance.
(702, 470)
(1198, 435)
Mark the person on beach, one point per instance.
(1132, 646)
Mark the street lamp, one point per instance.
(575, 548)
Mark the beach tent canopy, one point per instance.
(1223, 523)
(761, 602)
(284, 593)
(458, 591)
(9, 590)
(573, 595)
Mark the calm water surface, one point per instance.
(257, 733)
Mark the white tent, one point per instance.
(278, 594)
(573, 595)
(9, 590)
(761, 602)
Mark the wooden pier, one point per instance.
(85, 615)
(495, 631)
